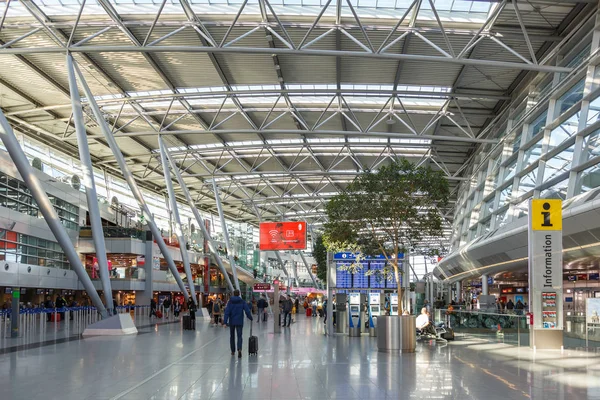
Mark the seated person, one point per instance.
(424, 324)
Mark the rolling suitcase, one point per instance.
(188, 323)
(448, 335)
(158, 314)
(252, 343)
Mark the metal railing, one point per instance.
(36, 323)
(114, 232)
(508, 328)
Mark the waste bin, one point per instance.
(341, 321)
(388, 333)
(408, 333)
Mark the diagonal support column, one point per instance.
(90, 185)
(41, 198)
(175, 212)
(226, 235)
(211, 244)
(312, 277)
(129, 178)
(285, 271)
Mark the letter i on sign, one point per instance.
(546, 214)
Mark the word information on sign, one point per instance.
(545, 262)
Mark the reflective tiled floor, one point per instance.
(300, 363)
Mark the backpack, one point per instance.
(216, 308)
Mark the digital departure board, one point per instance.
(377, 281)
(360, 279)
(343, 278)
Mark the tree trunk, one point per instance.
(398, 290)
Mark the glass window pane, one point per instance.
(528, 182)
(594, 111)
(558, 164)
(536, 126)
(571, 97)
(521, 209)
(488, 207)
(557, 191)
(591, 146)
(532, 154)
(564, 131)
(589, 179)
(509, 172)
(501, 219)
(516, 143)
(505, 195)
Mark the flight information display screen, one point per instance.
(360, 279)
(343, 278)
(377, 281)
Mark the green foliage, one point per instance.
(320, 254)
(386, 211)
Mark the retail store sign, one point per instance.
(282, 236)
(259, 287)
(545, 263)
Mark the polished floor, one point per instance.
(164, 362)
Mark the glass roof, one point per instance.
(454, 10)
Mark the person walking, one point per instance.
(60, 304)
(216, 310)
(47, 304)
(72, 304)
(234, 317)
(287, 312)
(314, 308)
(192, 309)
(262, 305)
(152, 308)
(176, 308)
(209, 308)
(167, 306)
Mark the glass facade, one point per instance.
(25, 249)
(548, 148)
(17, 197)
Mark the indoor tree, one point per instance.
(385, 212)
(320, 255)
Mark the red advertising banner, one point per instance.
(283, 236)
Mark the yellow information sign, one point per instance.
(546, 215)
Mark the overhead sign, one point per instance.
(546, 263)
(259, 287)
(282, 236)
(348, 256)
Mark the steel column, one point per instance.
(312, 277)
(175, 212)
(41, 198)
(90, 186)
(295, 271)
(199, 219)
(285, 271)
(484, 285)
(226, 235)
(129, 178)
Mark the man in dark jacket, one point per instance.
(152, 308)
(234, 317)
(261, 305)
(287, 312)
(60, 303)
